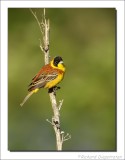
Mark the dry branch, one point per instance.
(45, 29)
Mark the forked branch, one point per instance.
(55, 122)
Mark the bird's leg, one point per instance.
(50, 90)
(53, 89)
(56, 88)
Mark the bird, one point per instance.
(48, 77)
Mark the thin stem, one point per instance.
(45, 31)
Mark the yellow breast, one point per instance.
(55, 81)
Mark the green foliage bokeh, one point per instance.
(85, 38)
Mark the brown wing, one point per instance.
(46, 74)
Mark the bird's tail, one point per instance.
(26, 98)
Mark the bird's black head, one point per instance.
(57, 60)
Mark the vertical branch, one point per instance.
(55, 118)
(45, 29)
(56, 121)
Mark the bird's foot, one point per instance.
(53, 89)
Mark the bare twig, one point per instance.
(34, 14)
(45, 28)
(60, 104)
(49, 121)
(66, 137)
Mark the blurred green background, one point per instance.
(85, 38)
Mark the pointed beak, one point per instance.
(61, 62)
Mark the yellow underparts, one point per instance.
(54, 82)
(51, 83)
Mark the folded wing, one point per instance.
(41, 80)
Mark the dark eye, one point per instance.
(56, 63)
(57, 60)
